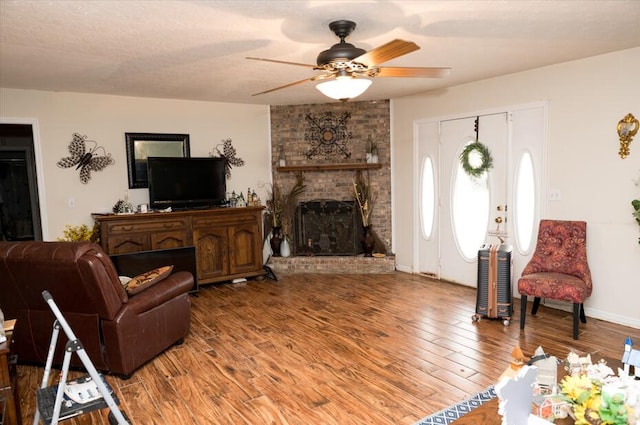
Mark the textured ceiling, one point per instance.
(196, 49)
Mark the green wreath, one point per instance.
(486, 161)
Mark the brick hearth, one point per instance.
(342, 265)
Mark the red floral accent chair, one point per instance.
(558, 269)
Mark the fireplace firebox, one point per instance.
(327, 227)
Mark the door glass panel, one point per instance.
(428, 205)
(470, 210)
(524, 202)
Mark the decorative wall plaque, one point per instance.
(328, 135)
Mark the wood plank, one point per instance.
(332, 349)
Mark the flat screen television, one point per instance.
(184, 183)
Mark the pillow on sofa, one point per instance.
(145, 280)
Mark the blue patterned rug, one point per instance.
(450, 414)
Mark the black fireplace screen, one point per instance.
(327, 227)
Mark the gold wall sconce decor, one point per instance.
(627, 128)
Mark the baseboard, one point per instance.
(595, 313)
(613, 318)
(405, 269)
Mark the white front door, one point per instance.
(468, 212)
(467, 203)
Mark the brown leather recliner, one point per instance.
(119, 332)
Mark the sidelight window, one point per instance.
(524, 202)
(428, 197)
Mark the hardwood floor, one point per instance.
(332, 349)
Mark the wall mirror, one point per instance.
(141, 146)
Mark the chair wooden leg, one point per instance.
(523, 310)
(576, 313)
(583, 317)
(536, 304)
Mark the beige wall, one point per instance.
(586, 99)
(105, 119)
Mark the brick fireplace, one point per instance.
(327, 143)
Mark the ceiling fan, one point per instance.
(345, 66)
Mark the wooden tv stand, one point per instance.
(228, 241)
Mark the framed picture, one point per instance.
(141, 146)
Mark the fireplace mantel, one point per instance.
(329, 167)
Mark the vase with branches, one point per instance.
(365, 199)
(290, 202)
(281, 206)
(274, 206)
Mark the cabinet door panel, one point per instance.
(133, 242)
(166, 240)
(244, 244)
(211, 252)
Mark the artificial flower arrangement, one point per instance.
(79, 233)
(597, 396)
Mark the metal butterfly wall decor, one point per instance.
(229, 154)
(85, 160)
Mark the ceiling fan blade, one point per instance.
(386, 52)
(306, 65)
(306, 80)
(413, 72)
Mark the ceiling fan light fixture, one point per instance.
(344, 87)
(343, 62)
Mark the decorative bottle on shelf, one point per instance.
(128, 207)
(369, 150)
(374, 153)
(282, 160)
(234, 199)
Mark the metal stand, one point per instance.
(62, 409)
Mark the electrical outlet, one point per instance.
(555, 195)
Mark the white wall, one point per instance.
(586, 99)
(106, 119)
